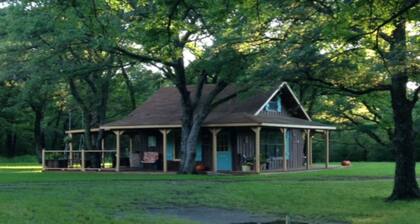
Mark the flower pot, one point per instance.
(346, 163)
(199, 168)
(246, 168)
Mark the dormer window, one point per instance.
(274, 105)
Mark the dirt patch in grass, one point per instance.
(227, 216)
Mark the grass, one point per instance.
(355, 194)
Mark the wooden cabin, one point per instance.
(267, 131)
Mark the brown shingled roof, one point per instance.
(164, 109)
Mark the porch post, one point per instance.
(214, 132)
(284, 149)
(103, 150)
(257, 131)
(165, 133)
(70, 149)
(43, 159)
(130, 146)
(82, 165)
(311, 145)
(118, 149)
(308, 141)
(327, 149)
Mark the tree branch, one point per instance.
(357, 92)
(411, 4)
(143, 58)
(199, 89)
(368, 132)
(415, 96)
(228, 97)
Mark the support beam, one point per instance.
(70, 135)
(214, 132)
(165, 133)
(82, 165)
(43, 159)
(308, 146)
(257, 131)
(327, 149)
(118, 149)
(103, 153)
(285, 149)
(130, 144)
(310, 151)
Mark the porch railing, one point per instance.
(76, 160)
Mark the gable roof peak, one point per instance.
(287, 87)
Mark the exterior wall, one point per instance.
(242, 144)
(245, 146)
(280, 112)
(296, 157)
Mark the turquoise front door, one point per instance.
(224, 152)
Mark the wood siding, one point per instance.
(297, 157)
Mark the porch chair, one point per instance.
(150, 160)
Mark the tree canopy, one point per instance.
(80, 64)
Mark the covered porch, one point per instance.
(221, 148)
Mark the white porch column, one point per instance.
(257, 131)
(130, 146)
(83, 162)
(308, 148)
(118, 150)
(311, 151)
(70, 135)
(284, 149)
(103, 151)
(327, 148)
(43, 159)
(214, 132)
(165, 133)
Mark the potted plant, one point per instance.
(247, 167)
(247, 164)
(263, 161)
(52, 160)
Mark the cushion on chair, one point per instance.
(150, 157)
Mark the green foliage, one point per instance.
(324, 49)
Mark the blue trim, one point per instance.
(170, 154)
(198, 151)
(224, 158)
(288, 143)
(277, 107)
(279, 104)
(170, 147)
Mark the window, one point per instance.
(151, 141)
(271, 143)
(274, 105)
(223, 142)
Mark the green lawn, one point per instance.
(353, 194)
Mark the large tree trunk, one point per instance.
(102, 108)
(194, 112)
(57, 125)
(190, 135)
(87, 116)
(11, 143)
(405, 184)
(130, 87)
(38, 132)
